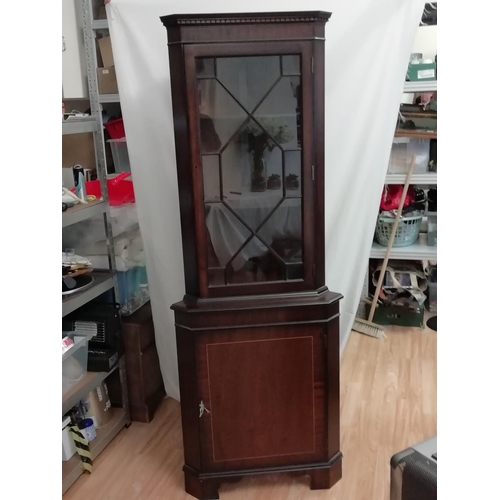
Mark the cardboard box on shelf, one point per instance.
(78, 149)
(106, 51)
(99, 405)
(107, 80)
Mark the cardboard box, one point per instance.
(99, 405)
(78, 149)
(107, 80)
(106, 51)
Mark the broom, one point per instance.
(368, 327)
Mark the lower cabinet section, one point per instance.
(261, 394)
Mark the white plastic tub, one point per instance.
(68, 445)
(403, 148)
(74, 362)
(120, 154)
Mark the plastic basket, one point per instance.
(120, 190)
(133, 290)
(406, 234)
(115, 128)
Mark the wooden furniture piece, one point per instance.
(258, 330)
(144, 379)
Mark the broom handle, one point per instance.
(391, 239)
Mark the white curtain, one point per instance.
(368, 45)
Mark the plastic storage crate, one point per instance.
(403, 148)
(74, 362)
(406, 234)
(120, 154)
(133, 290)
(396, 315)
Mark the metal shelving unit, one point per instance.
(72, 469)
(419, 250)
(430, 178)
(99, 24)
(427, 86)
(79, 125)
(79, 213)
(107, 98)
(82, 388)
(104, 280)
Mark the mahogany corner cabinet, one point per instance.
(257, 330)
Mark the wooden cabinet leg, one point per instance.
(324, 479)
(204, 489)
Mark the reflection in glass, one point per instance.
(248, 78)
(230, 234)
(249, 110)
(277, 113)
(283, 231)
(266, 266)
(293, 176)
(205, 68)
(291, 64)
(220, 115)
(211, 182)
(294, 271)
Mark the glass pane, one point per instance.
(294, 271)
(283, 231)
(225, 235)
(220, 115)
(252, 169)
(260, 265)
(211, 182)
(293, 173)
(290, 65)
(205, 68)
(248, 78)
(278, 112)
(250, 125)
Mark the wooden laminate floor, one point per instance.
(388, 402)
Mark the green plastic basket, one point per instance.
(406, 234)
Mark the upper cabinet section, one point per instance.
(248, 116)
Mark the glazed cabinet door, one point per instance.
(250, 112)
(261, 397)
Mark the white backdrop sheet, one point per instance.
(368, 44)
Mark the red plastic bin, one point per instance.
(115, 128)
(120, 191)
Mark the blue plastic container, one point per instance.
(133, 290)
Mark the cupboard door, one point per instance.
(261, 397)
(250, 112)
